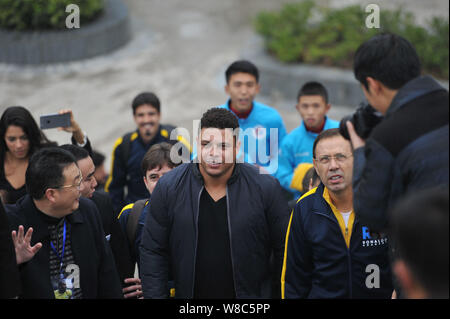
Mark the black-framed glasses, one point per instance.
(326, 159)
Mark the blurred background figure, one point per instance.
(100, 174)
(420, 230)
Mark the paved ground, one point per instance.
(179, 50)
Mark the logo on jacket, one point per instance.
(370, 239)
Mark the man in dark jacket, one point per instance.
(217, 226)
(408, 150)
(74, 249)
(329, 252)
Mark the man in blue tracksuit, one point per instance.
(329, 253)
(296, 148)
(130, 149)
(262, 126)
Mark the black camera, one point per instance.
(364, 120)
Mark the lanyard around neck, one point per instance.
(64, 245)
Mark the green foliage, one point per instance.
(304, 32)
(25, 15)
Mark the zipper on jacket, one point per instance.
(348, 250)
(196, 241)
(231, 244)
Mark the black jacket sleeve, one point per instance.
(372, 181)
(9, 273)
(277, 214)
(154, 256)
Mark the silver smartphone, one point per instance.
(54, 120)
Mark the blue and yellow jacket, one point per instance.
(325, 259)
(295, 149)
(123, 221)
(126, 170)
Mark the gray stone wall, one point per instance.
(107, 33)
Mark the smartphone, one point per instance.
(55, 120)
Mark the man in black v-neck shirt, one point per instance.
(213, 251)
(216, 225)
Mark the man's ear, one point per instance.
(238, 145)
(51, 195)
(258, 88)
(227, 89)
(374, 86)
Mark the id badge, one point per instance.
(62, 286)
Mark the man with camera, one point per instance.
(407, 150)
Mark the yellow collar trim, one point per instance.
(346, 231)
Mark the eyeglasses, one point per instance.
(325, 159)
(77, 185)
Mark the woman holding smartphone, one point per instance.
(20, 137)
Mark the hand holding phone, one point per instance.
(48, 121)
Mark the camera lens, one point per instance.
(343, 127)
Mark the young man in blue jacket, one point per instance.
(296, 148)
(216, 225)
(329, 253)
(262, 126)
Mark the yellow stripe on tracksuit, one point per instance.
(109, 180)
(129, 206)
(180, 138)
(283, 272)
(346, 232)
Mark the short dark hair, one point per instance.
(219, 118)
(324, 135)
(98, 158)
(388, 58)
(78, 152)
(313, 88)
(148, 98)
(242, 66)
(419, 229)
(156, 157)
(45, 170)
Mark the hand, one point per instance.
(357, 141)
(74, 128)
(134, 290)
(24, 251)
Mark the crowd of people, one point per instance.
(248, 210)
